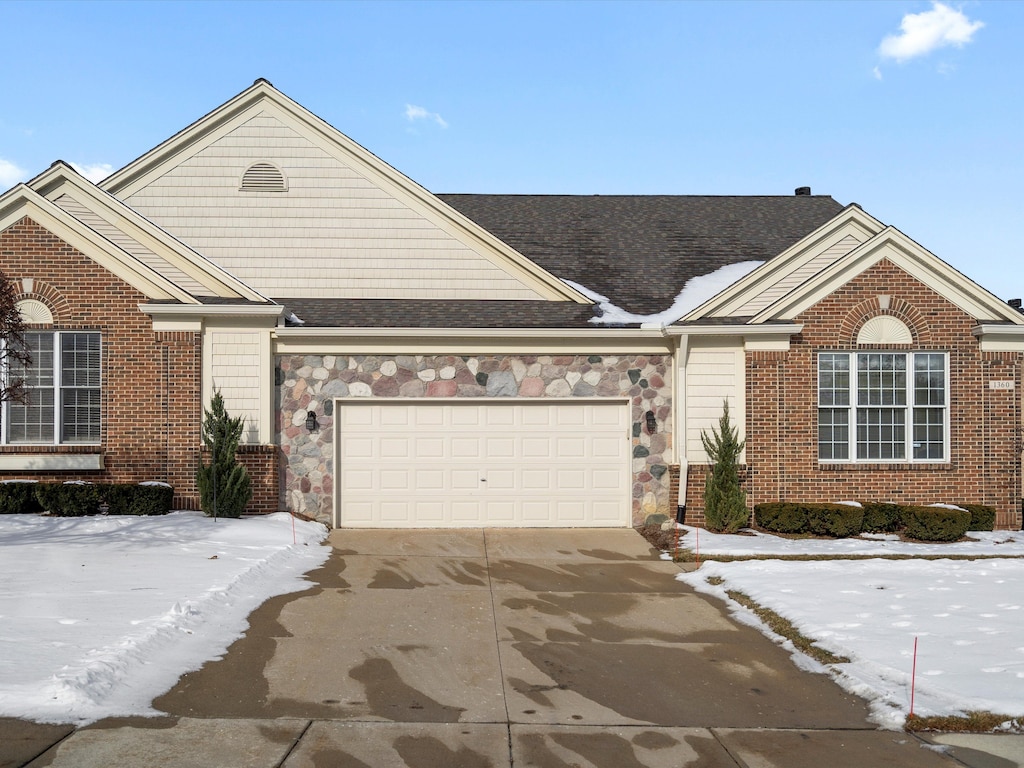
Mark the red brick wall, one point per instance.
(781, 427)
(151, 393)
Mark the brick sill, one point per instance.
(51, 462)
(887, 467)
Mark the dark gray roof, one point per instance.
(424, 313)
(640, 250)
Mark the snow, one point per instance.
(696, 291)
(99, 615)
(966, 615)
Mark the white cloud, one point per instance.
(10, 174)
(414, 113)
(96, 172)
(922, 33)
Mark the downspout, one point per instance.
(682, 352)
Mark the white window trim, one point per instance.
(854, 405)
(56, 388)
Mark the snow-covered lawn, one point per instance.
(967, 615)
(99, 615)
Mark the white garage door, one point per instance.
(466, 463)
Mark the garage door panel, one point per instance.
(473, 463)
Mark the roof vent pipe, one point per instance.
(1015, 303)
(802, 191)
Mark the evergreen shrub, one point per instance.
(725, 503)
(17, 497)
(224, 485)
(835, 520)
(68, 499)
(881, 517)
(983, 517)
(781, 517)
(935, 523)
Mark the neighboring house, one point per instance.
(408, 359)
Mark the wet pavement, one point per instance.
(497, 648)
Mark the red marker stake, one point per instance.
(696, 544)
(913, 678)
(293, 529)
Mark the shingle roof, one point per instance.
(640, 250)
(424, 313)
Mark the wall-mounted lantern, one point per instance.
(652, 422)
(311, 423)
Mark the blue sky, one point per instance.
(911, 109)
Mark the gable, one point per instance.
(893, 246)
(136, 236)
(340, 223)
(21, 203)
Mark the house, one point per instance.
(409, 359)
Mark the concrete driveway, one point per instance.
(550, 648)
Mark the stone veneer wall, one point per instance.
(313, 382)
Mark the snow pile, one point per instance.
(99, 615)
(966, 615)
(696, 291)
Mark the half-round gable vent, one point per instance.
(885, 329)
(264, 177)
(34, 312)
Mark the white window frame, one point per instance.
(853, 406)
(58, 388)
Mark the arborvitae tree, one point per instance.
(725, 503)
(14, 352)
(224, 487)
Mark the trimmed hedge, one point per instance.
(781, 517)
(126, 499)
(983, 517)
(836, 520)
(881, 517)
(18, 497)
(69, 499)
(936, 523)
(924, 523)
(81, 499)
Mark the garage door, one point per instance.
(467, 463)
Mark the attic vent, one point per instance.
(263, 177)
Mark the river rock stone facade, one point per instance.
(313, 382)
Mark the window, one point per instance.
(63, 387)
(882, 406)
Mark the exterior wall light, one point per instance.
(652, 422)
(311, 423)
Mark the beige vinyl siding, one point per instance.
(128, 244)
(235, 371)
(333, 233)
(798, 276)
(714, 371)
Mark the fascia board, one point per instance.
(852, 220)
(1000, 338)
(55, 181)
(456, 341)
(474, 333)
(744, 330)
(213, 310)
(913, 259)
(262, 97)
(25, 202)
